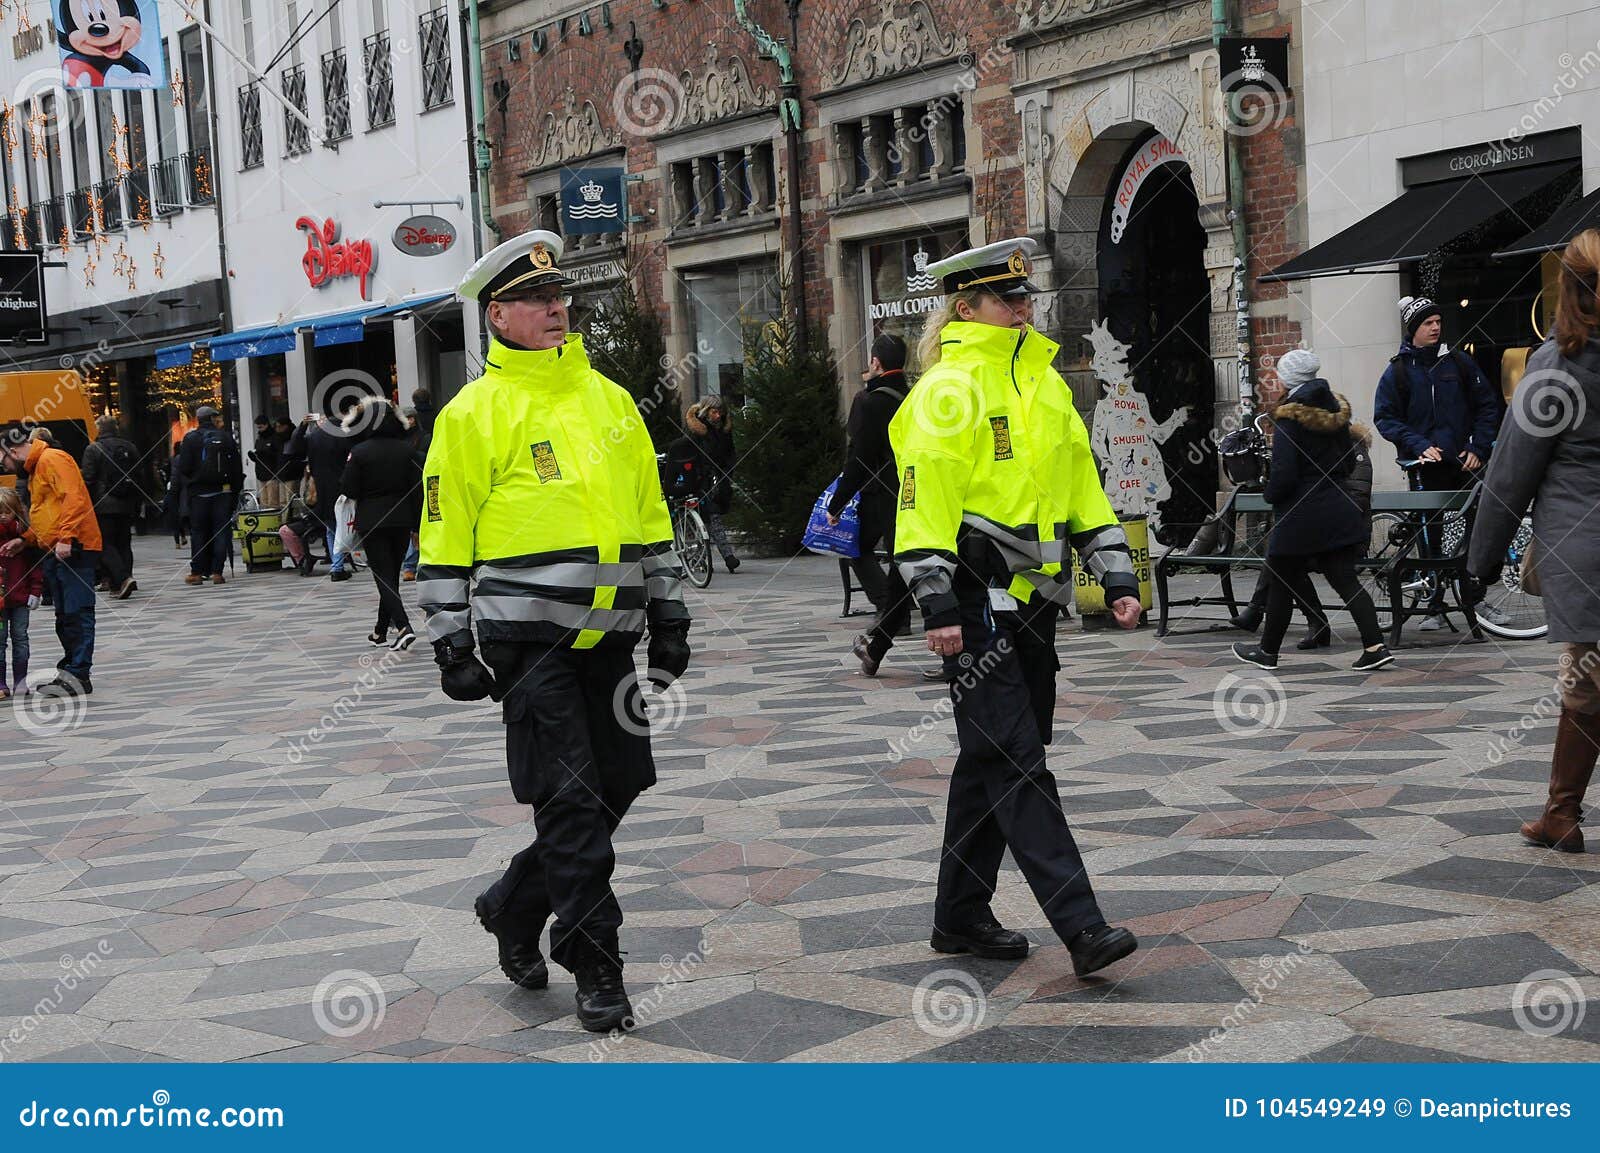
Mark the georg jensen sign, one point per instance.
(425, 236)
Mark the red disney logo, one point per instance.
(327, 257)
(418, 236)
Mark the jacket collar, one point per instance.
(966, 338)
(563, 367)
(35, 451)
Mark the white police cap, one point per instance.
(522, 263)
(1001, 268)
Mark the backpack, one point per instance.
(219, 459)
(124, 461)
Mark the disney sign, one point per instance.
(327, 257)
(425, 236)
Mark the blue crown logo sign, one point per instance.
(594, 206)
(591, 192)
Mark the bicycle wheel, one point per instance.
(1392, 535)
(1518, 615)
(693, 543)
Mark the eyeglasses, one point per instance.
(542, 299)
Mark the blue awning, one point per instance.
(176, 355)
(409, 305)
(250, 342)
(340, 328)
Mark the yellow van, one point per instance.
(53, 400)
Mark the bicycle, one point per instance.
(1513, 614)
(691, 539)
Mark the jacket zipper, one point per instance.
(1015, 352)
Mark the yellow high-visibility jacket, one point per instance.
(996, 474)
(541, 493)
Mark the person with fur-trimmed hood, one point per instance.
(1318, 523)
(708, 443)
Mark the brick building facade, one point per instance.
(928, 125)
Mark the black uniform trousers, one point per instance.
(889, 594)
(1002, 795)
(578, 751)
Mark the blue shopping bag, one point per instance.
(842, 539)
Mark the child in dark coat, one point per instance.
(21, 586)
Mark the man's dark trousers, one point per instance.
(578, 751)
(210, 532)
(893, 599)
(116, 556)
(71, 584)
(1001, 792)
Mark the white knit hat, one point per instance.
(1298, 366)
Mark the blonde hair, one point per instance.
(928, 348)
(11, 506)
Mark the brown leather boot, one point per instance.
(1577, 747)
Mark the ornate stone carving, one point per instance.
(1118, 42)
(720, 90)
(1071, 11)
(893, 44)
(575, 132)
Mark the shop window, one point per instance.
(733, 184)
(437, 74)
(900, 293)
(913, 144)
(728, 305)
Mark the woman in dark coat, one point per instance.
(1548, 454)
(384, 478)
(709, 444)
(1317, 524)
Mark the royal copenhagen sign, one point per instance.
(425, 236)
(1158, 150)
(327, 258)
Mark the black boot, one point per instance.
(984, 939)
(1250, 619)
(602, 1001)
(1320, 637)
(1099, 946)
(520, 961)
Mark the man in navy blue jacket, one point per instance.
(1435, 406)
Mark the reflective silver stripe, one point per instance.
(1104, 551)
(530, 609)
(669, 559)
(1099, 538)
(1049, 588)
(665, 587)
(441, 592)
(928, 575)
(574, 574)
(1018, 552)
(448, 622)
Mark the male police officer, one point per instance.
(541, 494)
(996, 480)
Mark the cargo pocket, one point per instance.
(522, 748)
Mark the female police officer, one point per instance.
(540, 492)
(996, 481)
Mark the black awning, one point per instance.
(1420, 221)
(1569, 220)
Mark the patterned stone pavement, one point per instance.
(262, 839)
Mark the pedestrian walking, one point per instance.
(420, 437)
(870, 470)
(384, 478)
(21, 588)
(544, 526)
(997, 482)
(176, 504)
(1548, 456)
(1435, 406)
(707, 444)
(325, 449)
(113, 468)
(1318, 526)
(61, 523)
(213, 477)
(291, 468)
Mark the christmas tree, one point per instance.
(186, 386)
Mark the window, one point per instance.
(138, 157)
(378, 68)
(297, 136)
(167, 142)
(197, 105)
(912, 144)
(335, 95)
(251, 147)
(248, 18)
(437, 74)
(380, 16)
(726, 185)
(113, 156)
(78, 130)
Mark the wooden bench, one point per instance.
(1397, 562)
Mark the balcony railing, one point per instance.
(202, 178)
(137, 183)
(295, 133)
(169, 178)
(109, 195)
(377, 63)
(437, 74)
(335, 95)
(252, 153)
(80, 212)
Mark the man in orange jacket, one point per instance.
(60, 521)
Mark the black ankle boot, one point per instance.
(1249, 620)
(1316, 639)
(602, 1000)
(520, 960)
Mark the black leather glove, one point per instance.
(668, 654)
(462, 675)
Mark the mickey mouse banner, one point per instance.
(110, 43)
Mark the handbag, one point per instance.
(1529, 572)
(345, 538)
(840, 540)
(311, 489)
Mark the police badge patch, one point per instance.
(432, 487)
(908, 488)
(545, 466)
(1002, 437)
